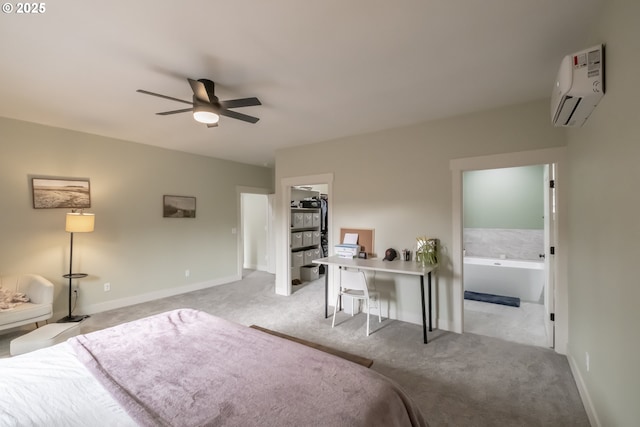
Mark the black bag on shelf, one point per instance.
(310, 203)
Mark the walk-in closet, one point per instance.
(309, 233)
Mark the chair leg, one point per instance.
(368, 310)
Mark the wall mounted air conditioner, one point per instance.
(578, 87)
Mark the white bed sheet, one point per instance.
(51, 387)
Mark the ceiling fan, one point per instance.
(206, 107)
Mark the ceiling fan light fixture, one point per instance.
(205, 114)
(206, 108)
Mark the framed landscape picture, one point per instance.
(179, 207)
(61, 193)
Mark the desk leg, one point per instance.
(326, 291)
(430, 305)
(424, 315)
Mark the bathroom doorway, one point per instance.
(508, 229)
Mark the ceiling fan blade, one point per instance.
(166, 113)
(237, 103)
(210, 87)
(199, 90)
(239, 116)
(146, 92)
(212, 125)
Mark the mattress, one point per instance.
(51, 387)
(188, 368)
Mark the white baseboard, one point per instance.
(584, 393)
(151, 296)
(258, 267)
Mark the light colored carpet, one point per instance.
(457, 380)
(524, 324)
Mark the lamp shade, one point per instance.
(78, 222)
(205, 113)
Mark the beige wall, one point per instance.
(141, 254)
(604, 223)
(398, 182)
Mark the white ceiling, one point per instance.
(322, 69)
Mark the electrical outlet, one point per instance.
(107, 287)
(586, 360)
(187, 273)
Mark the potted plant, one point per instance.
(427, 251)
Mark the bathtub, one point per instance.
(508, 277)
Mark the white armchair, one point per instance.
(40, 305)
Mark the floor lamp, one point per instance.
(77, 222)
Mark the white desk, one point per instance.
(397, 267)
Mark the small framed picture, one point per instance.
(49, 193)
(179, 207)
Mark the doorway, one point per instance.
(506, 228)
(283, 244)
(558, 318)
(308, 239)
(255, 231)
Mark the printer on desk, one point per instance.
(347, 251)
(349, 248)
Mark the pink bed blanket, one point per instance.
(188, 368)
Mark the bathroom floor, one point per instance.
(524, 324)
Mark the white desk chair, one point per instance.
(354, 284)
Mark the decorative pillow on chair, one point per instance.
(9, 299)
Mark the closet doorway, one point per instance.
(309, 233)
(284, 284)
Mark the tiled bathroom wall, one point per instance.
(512, 243)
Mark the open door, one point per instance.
(549, 249)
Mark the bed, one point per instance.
(188, 368)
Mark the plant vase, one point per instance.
(427, 251)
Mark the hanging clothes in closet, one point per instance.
(324, 225)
